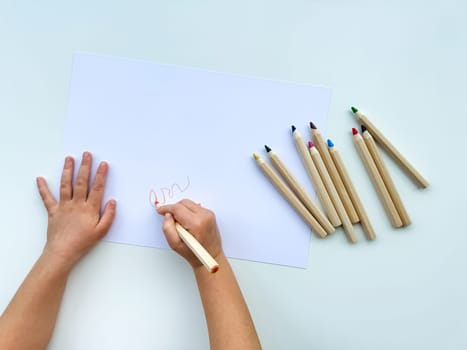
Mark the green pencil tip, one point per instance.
(354, 110)
(268, 149)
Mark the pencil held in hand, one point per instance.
(198, 250)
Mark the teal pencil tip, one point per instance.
(354, 110)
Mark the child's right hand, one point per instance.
(200, 222)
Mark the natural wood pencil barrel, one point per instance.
(301, 193)
(383, 171)
(364, 220)
(392, 150)
(378, 183)
(290, 196)
(336, 179)
(348, 228)
(315, 178)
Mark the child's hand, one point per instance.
(75, 222)
(200, 222)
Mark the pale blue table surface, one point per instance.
(404, 62)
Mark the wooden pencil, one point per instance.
(318, 161)
(357, 203)
(375, 177)
(315, 178)
(290, 196)
(391, 149)
(298, 189)
(331, 168)
(383, 171)
(200, 252)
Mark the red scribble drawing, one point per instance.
(167, 193)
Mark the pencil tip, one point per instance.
(310, 144)
(256, 156)
(354, 110)
(363, 129)
(354, 131)
(293, 128)
(268, 149)
(313, 126)
(330, 143)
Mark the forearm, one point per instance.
(229, 322)
(29, 319)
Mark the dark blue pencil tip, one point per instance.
(268, 149)
(293, 128)
(330, 143)
(363, 128)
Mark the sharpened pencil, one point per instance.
(298, 189)
(318, 161)
(391, 149)
(287, 193)
(315, 178)
(383, 171)
(377, 180)
(331, 168)
(357, 203)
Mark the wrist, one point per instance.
(200, 268)
(56, 261)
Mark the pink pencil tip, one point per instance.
(310, 144)
(354, 131)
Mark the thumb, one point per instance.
(170, 232)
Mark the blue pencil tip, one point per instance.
(330, 143)
(293, 128)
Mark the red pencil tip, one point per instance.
(354, 131)
(156, 202)
(310, 144)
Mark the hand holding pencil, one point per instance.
(192, 232)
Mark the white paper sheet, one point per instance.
(159, 125)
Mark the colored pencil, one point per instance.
(289, 196)
(315, 178)
(391, 149)
(383, 171)
(357, 203)
(378, 182)
(318, 161)
(331, 168)
(198, 250)
(298, 189)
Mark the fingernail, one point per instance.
(103, 166)
(68, 162)
(168, 216)
(112, 204)
(86, 155)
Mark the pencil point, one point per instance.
(330, 143)
(363, 129)
(156, 202)
(310, 144)
(354, 131)
(293, 128)
(268, 149)
(313, 126)
(256, 156)
(354, 110)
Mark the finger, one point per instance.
(47, 197)
(107, 217)
(97, 190)
(194, 207)
(82, 180)
(180, 213)
(170, 232)
(66, 189)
